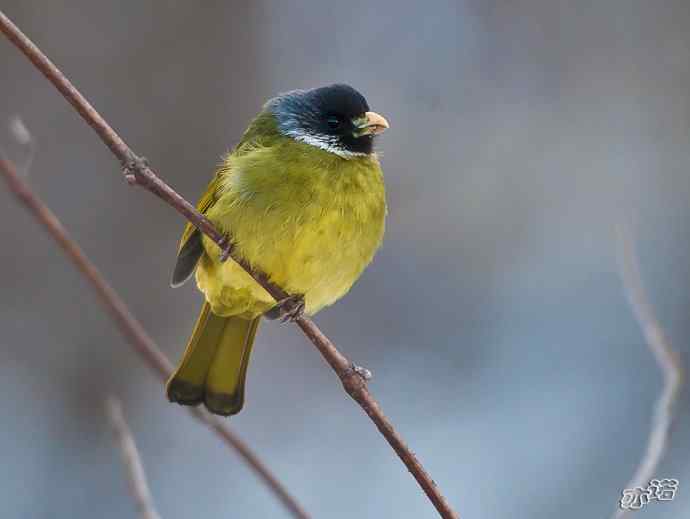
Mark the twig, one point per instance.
(132, 329)
(138, 172)
(136, 477)
(666, 357)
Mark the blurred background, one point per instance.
(493, 318)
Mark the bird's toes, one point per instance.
(287, 310)
(226, 247)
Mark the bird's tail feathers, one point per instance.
(214, 365)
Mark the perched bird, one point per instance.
(302, 198)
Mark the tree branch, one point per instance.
(666, 357)
(132, 329)
(137, 171)
(136, 477)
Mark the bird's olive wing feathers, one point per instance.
(187, 259)
(191, 248)
(262, 131)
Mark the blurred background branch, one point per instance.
(136, 476)
(132, 329)
(667, 359)
(138, 172)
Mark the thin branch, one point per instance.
(138, 172)
(136, 477)
(668, 360)
(132, 329)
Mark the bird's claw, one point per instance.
(225, 249)
(289, 309)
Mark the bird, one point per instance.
(302, 199)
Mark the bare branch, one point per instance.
(23, 137)
(132, 329)
(138, 172)
(666, 357)
(136, 477)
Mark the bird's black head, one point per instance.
(335, 118)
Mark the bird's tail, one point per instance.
(214, 366)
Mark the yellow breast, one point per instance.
(310, 219)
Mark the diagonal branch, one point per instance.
(136, 477)
(132, 329)
(666, 357)
(138, 172)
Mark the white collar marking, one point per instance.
(325, 143)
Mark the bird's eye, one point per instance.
(333, 121)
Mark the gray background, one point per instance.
(493, 318)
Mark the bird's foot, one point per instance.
(287, 310)
(225, 249)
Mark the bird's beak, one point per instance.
(370, 123)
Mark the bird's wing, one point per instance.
(260, 132)
(191, 248)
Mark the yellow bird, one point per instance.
(302, 197)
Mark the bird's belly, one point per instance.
(321, 257)
(311, 222)
(318, 254)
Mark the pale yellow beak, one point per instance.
(370, 124)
